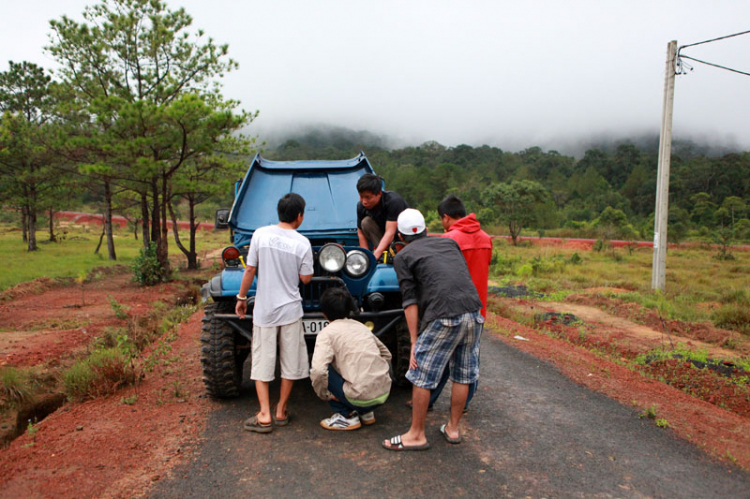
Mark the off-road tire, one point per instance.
(403, 354)
(223, 352)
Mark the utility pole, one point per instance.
(658, 272)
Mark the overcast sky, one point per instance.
(508, 74)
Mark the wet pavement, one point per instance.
(530, 432)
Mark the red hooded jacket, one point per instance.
(476, 246)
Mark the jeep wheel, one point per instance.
(223, 352)
(403, 353)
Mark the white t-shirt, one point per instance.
(281, 256)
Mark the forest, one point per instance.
(609, 192)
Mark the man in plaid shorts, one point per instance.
(442, 309)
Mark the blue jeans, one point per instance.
(435, 393)
(342, 405)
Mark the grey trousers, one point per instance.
(372, 231)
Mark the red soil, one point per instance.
(102, 447)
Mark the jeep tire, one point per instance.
(223, 352)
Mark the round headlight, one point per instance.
(332, 257)
(357, 263)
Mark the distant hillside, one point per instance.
(332, 139)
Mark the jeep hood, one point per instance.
(329, 189)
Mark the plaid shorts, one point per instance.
(450, 341)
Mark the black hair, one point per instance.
(412, 237)
(370, 182)
(452, 206)
(290, 206)
(337, 303)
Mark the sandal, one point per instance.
(281, 422)
(398, 445)
(252, 424)
(448, 438)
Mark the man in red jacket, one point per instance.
(476, 247)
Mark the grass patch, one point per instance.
(16, 385)
(65, 259)
(681, 350)
(59, 324)
(649, 412)
(733, 316)
(693, 278)
(101, 373)
(129, 400)
(75, 253)
(172, 315)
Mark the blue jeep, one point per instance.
(329, 189)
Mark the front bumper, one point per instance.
(384, 321)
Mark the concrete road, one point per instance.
(531, 432)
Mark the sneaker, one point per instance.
(368, 418)
(339, 422)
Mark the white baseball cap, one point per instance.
(411, 222)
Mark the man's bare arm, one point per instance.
(390, 233)
(247, 281)
(412, 321)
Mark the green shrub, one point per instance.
(541, 265)
(78, 380)
(733, 316)
(735, 295)
(525, 270)
(176, 315)
(15, 385)
(120, 310)
(146, 268)
(102, 373)
(503, 265)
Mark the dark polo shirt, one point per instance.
(432, 273)
(388, 209)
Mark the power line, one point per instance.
(680, 64)
(714, 65)
(712, 40)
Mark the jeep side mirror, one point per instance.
(221, 219)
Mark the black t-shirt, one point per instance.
(388, 209)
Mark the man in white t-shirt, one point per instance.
(282, 258)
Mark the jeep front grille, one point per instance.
(311, 292)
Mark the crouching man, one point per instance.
(350, 366)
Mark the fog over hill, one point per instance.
(321, 136)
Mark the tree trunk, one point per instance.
(108, 220)
(515, 231)
(101, 238)
(31, 214)
(25, 223)
(162, 244)
(31, 211)
(145, 218)
(155, 222)
(52, 237)
(191, 257)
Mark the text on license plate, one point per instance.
(313, 326)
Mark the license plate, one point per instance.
(313, 326)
